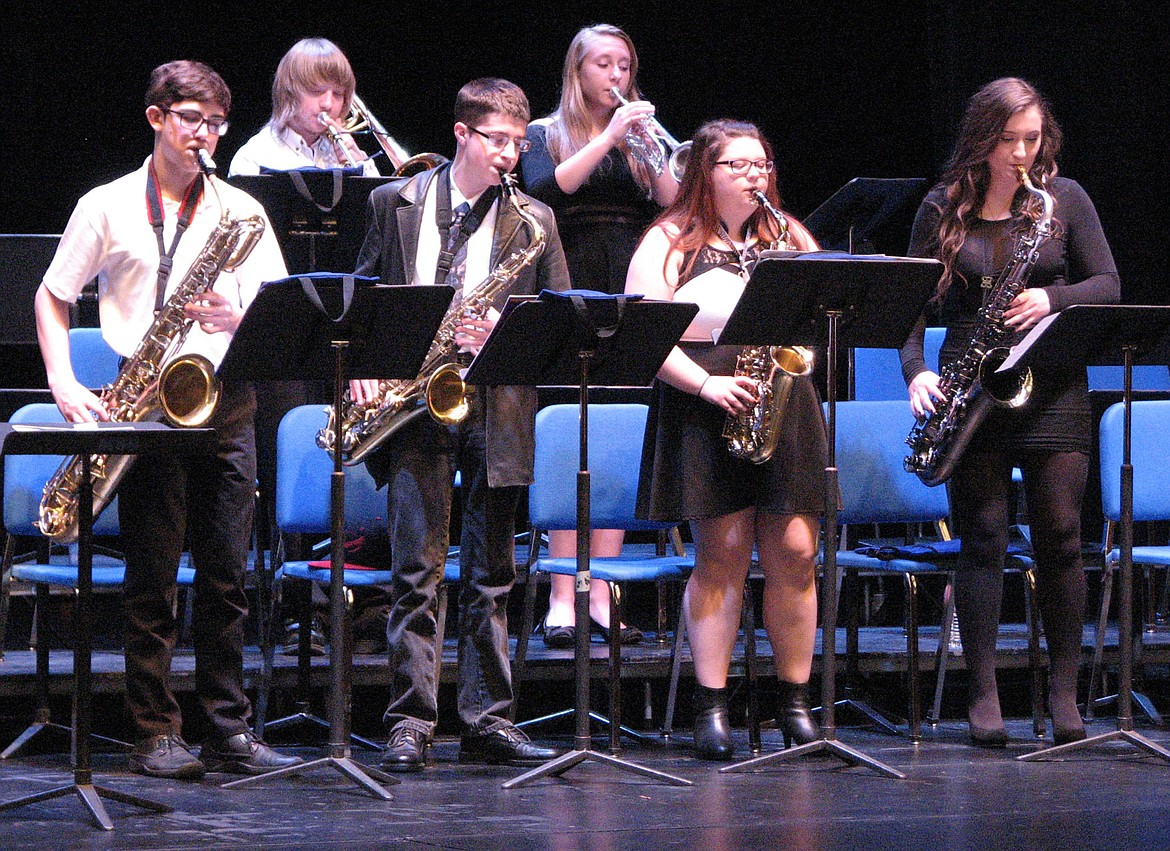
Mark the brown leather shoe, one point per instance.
(244, 753)
(166, 756)
(406, 750)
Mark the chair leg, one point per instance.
(680, 632)
(749, 662)
(1032, 607)
(912, 663)
(440, 628)
(527, 621)
(1097, 671)
(615, 668)
(947, 641)
(5, 588)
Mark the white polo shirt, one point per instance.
(109, 237)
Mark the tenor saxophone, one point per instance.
(754, 435)
(971, 385)
(438, 389)
(151, 384)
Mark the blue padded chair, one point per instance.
(615, 455)
(1144, 378)
(877, 373)
(876, 489)
(1150, 457)
(303, 490)
(94, 363)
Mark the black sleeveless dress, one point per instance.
(687, 472)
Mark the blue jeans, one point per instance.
(420, 476)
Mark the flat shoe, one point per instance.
(628, 635)
(560, 637)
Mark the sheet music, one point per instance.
(1020, 348)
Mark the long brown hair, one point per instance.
(966, 176)
(694, 212)
(567, 128)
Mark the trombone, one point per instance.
(360, 120)
(653, 144)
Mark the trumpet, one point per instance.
(652, 144)
(361, 120)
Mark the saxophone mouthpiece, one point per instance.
(206, 163)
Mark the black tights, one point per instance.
(981, 492)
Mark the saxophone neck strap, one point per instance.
(451, 236)
(156, 215)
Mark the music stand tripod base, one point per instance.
(833, 746)
(555, 341)
(334, 327)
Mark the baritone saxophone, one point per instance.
(152, 384)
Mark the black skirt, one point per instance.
(688, 474)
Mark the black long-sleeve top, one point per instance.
(600, 224)
(1075, 266)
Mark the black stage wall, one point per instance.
(842, 89)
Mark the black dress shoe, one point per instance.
(506, 746)
(560, 637)
(628, 636)
(244, 753)
(406, 750)
(166, 756)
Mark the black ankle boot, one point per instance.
(794, 716)
(712, 725)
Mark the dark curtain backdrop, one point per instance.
(841, 89)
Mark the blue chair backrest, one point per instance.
(303, 472)
(1149, 454)
(615, 460)
(25, 477)
(94, 363)
(1144, 378)
(877, 373)
(875, 488)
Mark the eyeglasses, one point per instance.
(499, 141)
(191, 120)
(744, 166)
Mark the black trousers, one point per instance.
(206, 500)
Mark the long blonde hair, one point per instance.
(567, 128)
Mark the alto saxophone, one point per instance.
(151, 385)
(438, 388)
(970, 385)
(754, 434)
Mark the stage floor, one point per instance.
(955, 797)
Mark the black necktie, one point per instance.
(459, 261)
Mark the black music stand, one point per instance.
(830, 299)
(852, 214)
(105, 439)
(331, 328)
(318, 215)
(562, 339)
(1097, 334)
